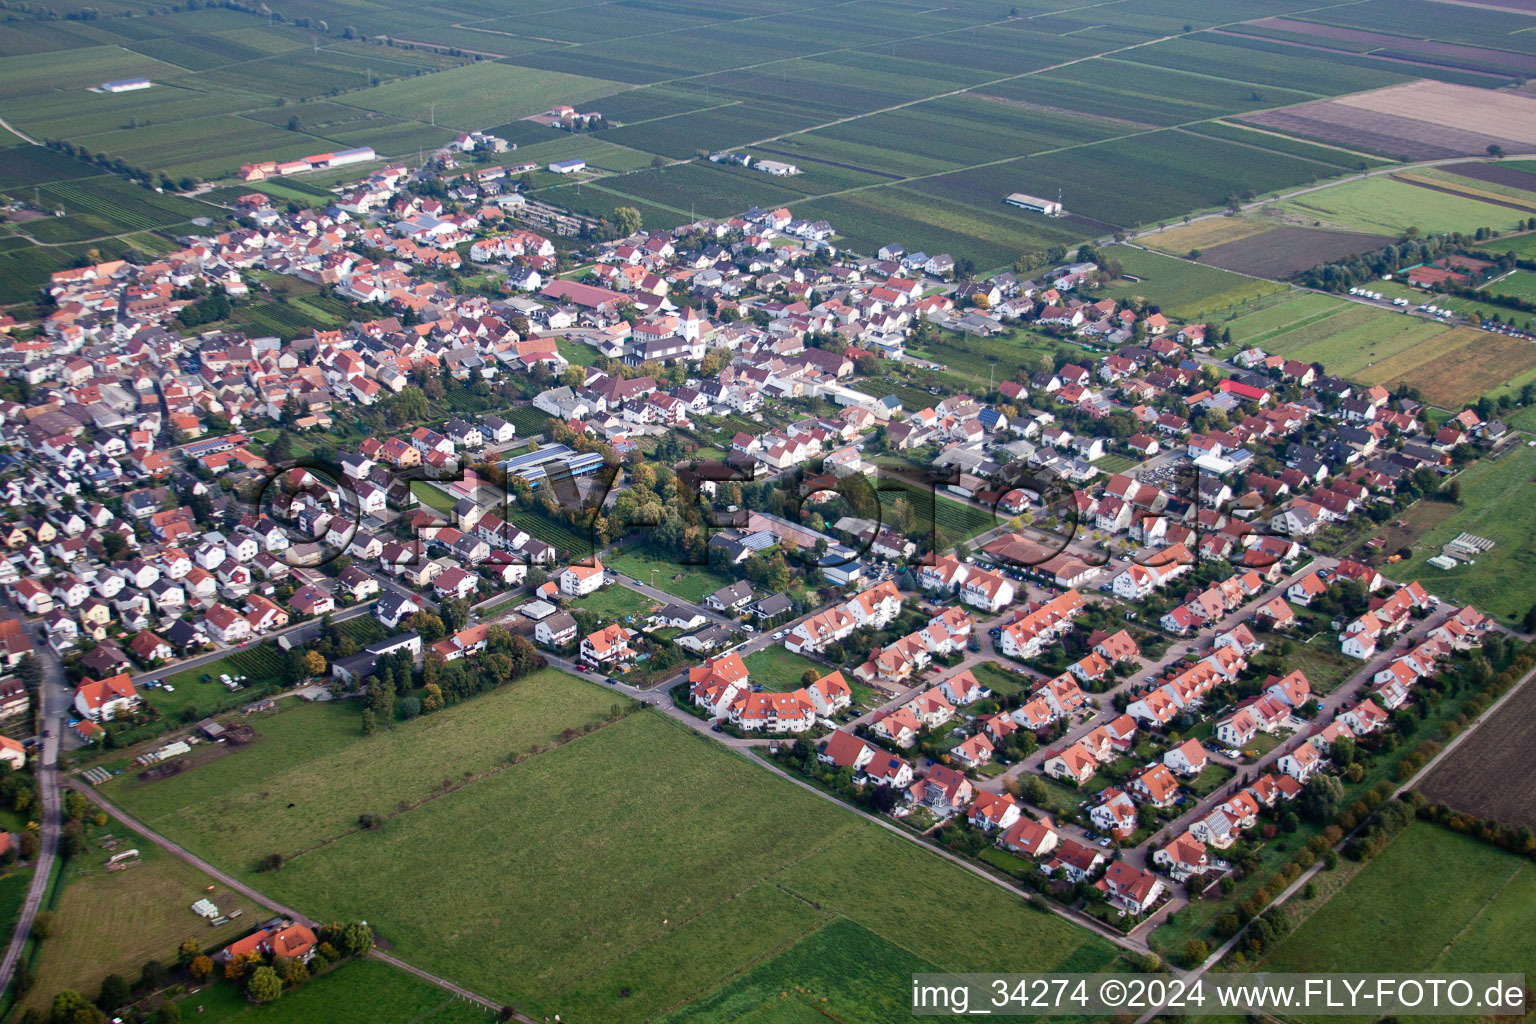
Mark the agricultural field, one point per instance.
(985, 360)
(1256, 324)
(1375, 346)
(1384, 205)
(1457, 368)
(739, 867)
(1520, 284)
(481, 95)
(242, 798)
(1486, 775)
(113, 921)
(1202, 234)
(930, 515)
(1284, 251)
(1421, 120)
(910, 125)
(1476, 924)
(1495, 503)
(1181, 288)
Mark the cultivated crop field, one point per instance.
(1457, 368)
(910, 124)
(1177, 241)
(1283, 251)
(1489, 773)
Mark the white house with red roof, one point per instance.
(582, 579)
(101, 700)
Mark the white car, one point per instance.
(780, 634)
(169, 688)
(749, 629)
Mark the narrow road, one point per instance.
(190, 858)
(288, 912)
(53, 692)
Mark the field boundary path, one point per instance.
(249, 893)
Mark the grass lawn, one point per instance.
(692, 583)
(436, 497)
(309, 777)
(1000, 680)
(1478, 922)
(774, 668)
(112, 922)
(1213, 778)
(13, 893)
(1521, 283)
(615, 603)
(1325, 668)
(1495, 503)
(261, 662)
(1115, 463)
(391, 996)
(738, 867)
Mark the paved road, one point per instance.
(54, 695)
(299, 632)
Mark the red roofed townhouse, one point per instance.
(581, 579)
(1188, 758)
(1030, 838)
(1184, 858)
(311, 600)
(719, 681)
(899, 727)
(973, 752)
(881, 767)
(1131, 887)
(32, 597)
(773, 712)
(1155, 785)
(101, 700)
(829, 694)
(993, 811)
(1074, 764)
(1302, 763)
(944, 791)
(1116, 813)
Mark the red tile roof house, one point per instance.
(101, 700)
(294, 941)
(1130, 887)
(609, 644)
